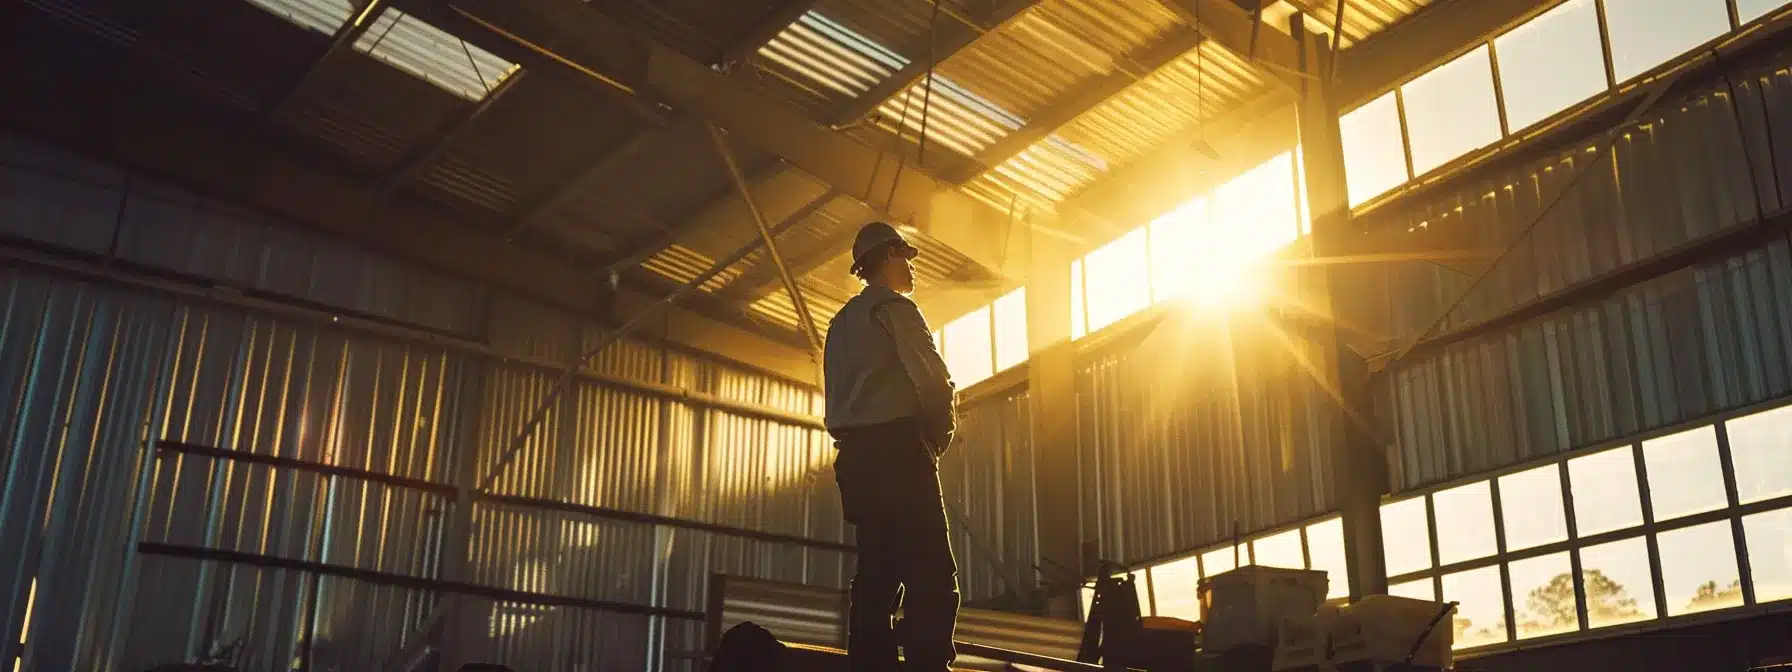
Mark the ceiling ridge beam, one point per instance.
(1086, 95)
(948, 40)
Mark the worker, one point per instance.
(889, 409)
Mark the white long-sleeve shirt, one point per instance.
(881, 365)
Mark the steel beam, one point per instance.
(699, 92)
(645, 250)
(1069, 105)
(949, 38)
(766, 236)
(345, 37)
(1236, 29)
(424, 155)
(756, 283)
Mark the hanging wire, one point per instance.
(926, 101)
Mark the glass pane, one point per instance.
(1698, 568)
(1551, 62)
(1011, 329)
(1761, 452)
(1281, 550)
(1465, 523)
(1174, 584)
(1605, 492)
(1543, 595)
(1647, 33)
(1374, 153)
(1481, 617)
(1421, 589)
(1222, 560)
(1620, 587)
(968, 356)
(1685, 475)
(1325, 548)
(1253, 214)
(1088, 596)
(1749, 10)
(1079, 323)
(1174, 236)
(1531, 508)
(1769, 537)
(1405, 536)
(1118, 281)
(1451, 110)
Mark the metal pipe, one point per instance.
(771, 246)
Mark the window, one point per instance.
(453, 64)
(1466, 513)
(1253, 214)
(1011, 329)
(1551, 62)
(1325, 548)
(1761, 453)
(1749, 10)
(1698, 568)
(1543, 600)
(1406, 536)
(1374, 151)
(1605, 492)
(968, 354)
(1175, 586)
(1222, 560)
(1770, 554)
(1118, 282)
(1648, 33)
(1619, 586)
(1280, 550)
(1079, 318)
(1422, 589)
(1451, 111)
(1175, 236)
(1531, 508)
(1685, 476)
(1481, 617)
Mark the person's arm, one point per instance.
(921, 359)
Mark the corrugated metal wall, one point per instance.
(92, 370)
(1197, 427)
(987, 480)
(1707, 338)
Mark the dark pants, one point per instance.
(890, 491)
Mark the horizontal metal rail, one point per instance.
(165, 447)
(413, 582)
(1024, 658)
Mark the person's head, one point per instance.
(881, 256)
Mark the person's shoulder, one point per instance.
(884, 296)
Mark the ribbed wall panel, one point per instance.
(987, 480)
(1198, 428)
(1671, 349)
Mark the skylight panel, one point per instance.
(411, 45)
(827, 53)
(323, 16)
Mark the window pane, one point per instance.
(1325, 547)
(1374, 153)
(1405, 536)
(1281, 550)
(1451, 110)
(1088, 596)
(1465, 523)
(1174, 236)
(1079, 323)
(1118, 281)
(1481, 617)
(1749, 10)
(1769, 537)
(1551, 62)
(1543, 595)
(1422, 589)
(1174, 584)
(1698, 568)
(1647, 33)
(1011, 329)
(1761, 452)
(1221, 560)
(1620, 588)
(1253, 214)
(1605, 493)
(1531, 508)
(968, 355)
(1685, 476)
